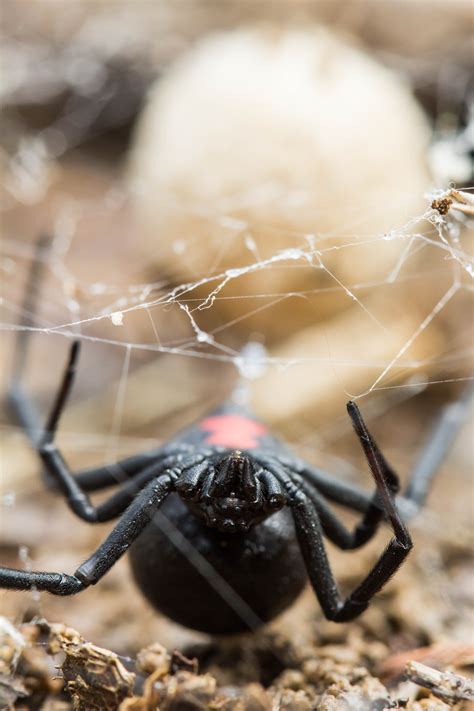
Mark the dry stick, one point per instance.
(440, 654)
(445, 685)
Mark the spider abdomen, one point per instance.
(215, 582)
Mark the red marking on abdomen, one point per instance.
(233, 431)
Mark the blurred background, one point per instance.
(239, 197)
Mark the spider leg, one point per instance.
(309, 531)
(99, 478)
(55, 464)
(94, 479)
(52, 459)
(121, 499)
(56, 583)
(25, 411)
(118, 502)
(348, 495)
(88, 480)
(335, 530)
(332, 527)
(137, 516)
(438, 443)
(310, 536)
(29, 307)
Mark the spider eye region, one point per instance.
(232, 497)
(231, 515)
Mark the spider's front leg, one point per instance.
(134, 520)
(74, 487)
(310, 536)
(332, 527)
(439, 440)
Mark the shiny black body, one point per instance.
(220, 583)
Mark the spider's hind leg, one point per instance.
(310, 536)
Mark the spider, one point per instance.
(223, 524)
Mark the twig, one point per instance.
(442, 654)
(444, 685)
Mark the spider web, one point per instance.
(170, 324)
(433, 255)
(76, 308)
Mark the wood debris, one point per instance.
(438, 655)
(445, 685)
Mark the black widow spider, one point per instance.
(223, 524)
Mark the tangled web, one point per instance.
(76, 308)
